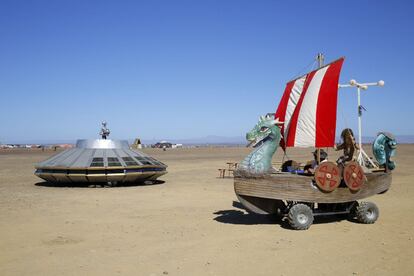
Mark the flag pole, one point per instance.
(362, 157)
(320, 58)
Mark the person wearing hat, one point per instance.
(310, 167)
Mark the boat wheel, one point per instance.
(327, 176)
(354, 176)
(300, 216)
(367, 212)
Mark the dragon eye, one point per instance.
(262, 129)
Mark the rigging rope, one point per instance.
(310, 66)
(343, 118)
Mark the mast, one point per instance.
(320, 58)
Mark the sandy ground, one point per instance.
(189, 225)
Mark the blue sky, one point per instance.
(184, 69)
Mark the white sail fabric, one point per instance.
(294, 97)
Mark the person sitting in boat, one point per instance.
(290, 166)
(311, 166)
(348, 146)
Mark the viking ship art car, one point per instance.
(306, 117)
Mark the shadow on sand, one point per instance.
(243, 217)
(97, 185)
(240, 217)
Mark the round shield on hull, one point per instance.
(100, 161)
(327, 176)
(354, 176)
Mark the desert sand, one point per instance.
(189, 225)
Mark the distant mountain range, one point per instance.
(207, 140)
(403, 139)
(241, 140)
(211, 139)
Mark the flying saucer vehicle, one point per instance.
(100, 161)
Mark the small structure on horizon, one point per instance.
(137, 144)
(166, 145)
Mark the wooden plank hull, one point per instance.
(293, 187)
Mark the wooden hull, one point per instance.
(301, 188)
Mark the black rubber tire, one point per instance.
(300, 216)
(352, 210)
(367, 212)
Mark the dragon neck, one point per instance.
(260, 160)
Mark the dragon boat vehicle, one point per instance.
(101, 161)
(306, 117)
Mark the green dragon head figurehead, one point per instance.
(265, 138)
(266, 129)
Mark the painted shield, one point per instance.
(327, 176)
(354, 176)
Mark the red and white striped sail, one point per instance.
(308, 108)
